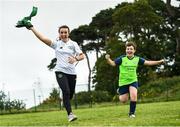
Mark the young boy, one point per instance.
(128, 82)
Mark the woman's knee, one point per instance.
(66, 94)
(71, 96)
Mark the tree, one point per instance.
(146, 22)
(102, 24)
(82, 36)
(54, 97)
(8, 105)
(168, 33)
(174, 15)
(2, 100)
(139, 22)
(106, 77)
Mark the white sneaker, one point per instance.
(71, 117)
(132, 116)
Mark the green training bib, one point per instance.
(127, 71)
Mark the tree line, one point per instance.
(10, 105)
(152, 24)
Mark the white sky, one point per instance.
(23, 58)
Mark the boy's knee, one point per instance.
(133, 98)
(123, 100)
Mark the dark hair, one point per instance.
(130, 43)
(63, 26)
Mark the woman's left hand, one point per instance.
(71, 60)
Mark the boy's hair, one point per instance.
(130, 43)
(63, 26)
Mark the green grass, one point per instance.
(149, 114)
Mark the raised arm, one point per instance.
(109, 60)
(41, 37)
(151, 63)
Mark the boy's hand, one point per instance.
(107, 56)
(162, 61)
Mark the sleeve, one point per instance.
(77, 49)
(141, 61)
(53, 44)
(118, 60)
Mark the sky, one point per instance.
(24, 59)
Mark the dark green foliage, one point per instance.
(93, 96)
(149, 25)
(106, 76)
(7, 105)
(162, 89)
(103, 24)
(135, 18)
(152, 24)
(53, 102)
(54, 97)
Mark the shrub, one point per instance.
(93, 96)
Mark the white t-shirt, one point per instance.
(63, 50)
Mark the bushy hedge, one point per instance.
(92, 97)
(161, 89)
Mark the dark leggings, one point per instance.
(67, 84)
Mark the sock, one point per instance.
(132, 107)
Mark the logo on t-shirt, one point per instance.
(70, 47)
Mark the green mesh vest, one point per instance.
(127, 71)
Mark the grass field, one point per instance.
(149, 114)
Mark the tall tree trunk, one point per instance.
(97, 53)
(172, 15)
(89, 80)
(89, 76)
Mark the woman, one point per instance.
(67, 53)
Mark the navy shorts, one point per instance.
(125, 89)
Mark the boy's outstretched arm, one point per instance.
(109, 61)
(151, 63)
